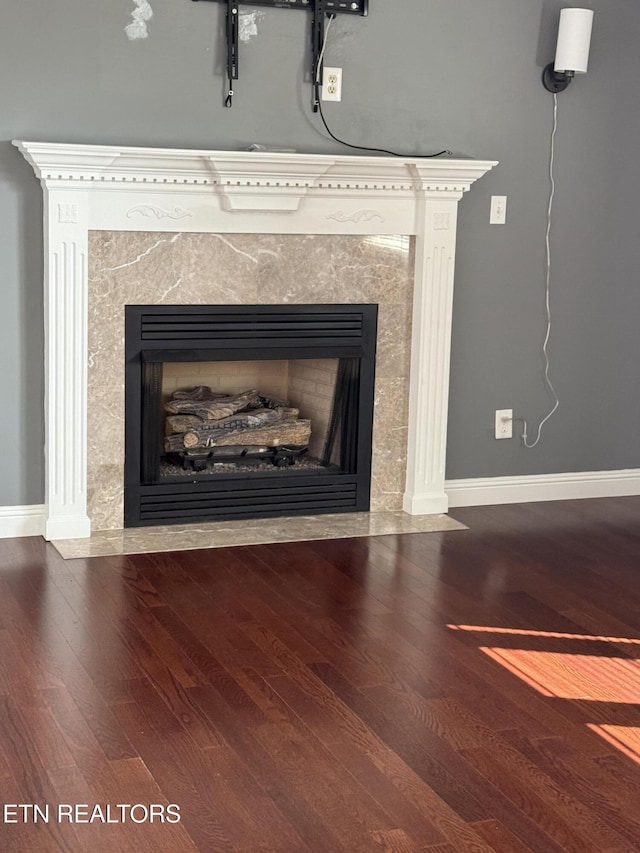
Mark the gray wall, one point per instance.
(418, 75)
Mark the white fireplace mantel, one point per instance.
(104, 187)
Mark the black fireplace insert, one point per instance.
(287, 480)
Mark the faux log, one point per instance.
(272, 402)
(296, 433)
(242, 420)
(181, 423)
(174, 443)
(200, 392)
(214, 410)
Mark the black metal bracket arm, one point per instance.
(232, 48)
(320, 8)
(317, 42)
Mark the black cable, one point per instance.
(318, 103)
(366, 148)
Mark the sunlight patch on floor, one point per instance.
(624, 738)
(556, 635)
(612, 684)
(567, 676)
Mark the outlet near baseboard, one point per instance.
(504, 423)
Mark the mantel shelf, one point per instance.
(246, 179)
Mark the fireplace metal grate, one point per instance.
(254, 499)
(238, 329)
(155, 335)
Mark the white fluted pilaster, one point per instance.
(436, 218)
(65, 297)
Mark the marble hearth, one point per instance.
(163, 226)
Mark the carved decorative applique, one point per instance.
(441, 222)
(68, 214)
(159, 212)
(357, 216)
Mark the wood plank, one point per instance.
(457, 692)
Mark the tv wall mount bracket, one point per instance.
(321, 9)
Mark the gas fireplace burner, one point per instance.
(218, 451)
(280, 457)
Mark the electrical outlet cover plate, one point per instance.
(504, 423)
(498, 213)
(331, 84)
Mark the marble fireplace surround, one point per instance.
(168, 192)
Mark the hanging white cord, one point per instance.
(548, 286)
(324, 47)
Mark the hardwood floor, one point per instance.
(445, 692)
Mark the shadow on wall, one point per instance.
(21, 205)
(548, 32)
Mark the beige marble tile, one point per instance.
(105, 455)
(155, 268)
(217, 269)
(393, 356)
(105, 496)
(225, 534)
(389, 463)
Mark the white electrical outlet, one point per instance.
(504, 423)
(498, 213)
(331, 84)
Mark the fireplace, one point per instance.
(166, 194)
(319, 357)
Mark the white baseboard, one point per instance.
(18, 521)
(485, 491)
(21, 521)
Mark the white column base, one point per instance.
(74, 527)
(434, 504)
